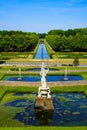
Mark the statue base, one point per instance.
(44, 103)
(44, 92)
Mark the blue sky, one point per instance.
(42, 15)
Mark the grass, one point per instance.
(44, 128)
(78, 89)
(4, 112)
(4, 68)
(50, 50)
(1, 76)
(48, 47)
(12, 55)
(72, 54)
(84, 75)
(4, 89)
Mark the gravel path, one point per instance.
(37, 84)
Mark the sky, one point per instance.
(41, 16)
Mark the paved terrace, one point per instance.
(50, 72)
(37, 84)
(51, 62)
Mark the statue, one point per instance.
(43, 90)
(43, 75)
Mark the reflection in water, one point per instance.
(44, 116)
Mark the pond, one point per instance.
(37, 78)
(17, 109)
(41, 52)
(39, 69)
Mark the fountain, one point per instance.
(19, 78)
(65, 77)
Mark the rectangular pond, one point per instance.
(37, 78)
(17, 109)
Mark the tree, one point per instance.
(17, 41)
(76, 61)
(56, 32)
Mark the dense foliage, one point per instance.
(69, 40)
(17, 41)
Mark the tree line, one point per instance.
(17, 41)
(59, 40)
(69, 40)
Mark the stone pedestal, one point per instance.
(44, 103)
(44, 92)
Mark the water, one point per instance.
(49, 78)
(39, 69)
(39, 52)
(70, 109)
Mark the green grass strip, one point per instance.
(43, 128)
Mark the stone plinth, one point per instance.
(44, 103)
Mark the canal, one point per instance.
(42, 52)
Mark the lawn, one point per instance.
(72, 55)
(13, 55)
(44, 128)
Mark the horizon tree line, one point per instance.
(59, 40)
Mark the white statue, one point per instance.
(43, 91)
(43, 75)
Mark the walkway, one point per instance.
(37, 84)
(29, 72)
